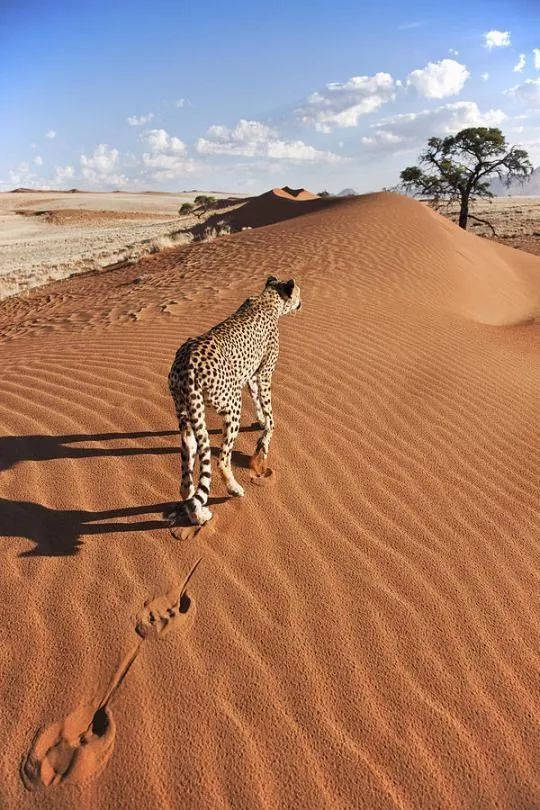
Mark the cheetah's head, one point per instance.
(288, 291)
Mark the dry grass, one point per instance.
(516, 221)
(48, 236)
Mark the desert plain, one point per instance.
(362, 629)
(48, 235)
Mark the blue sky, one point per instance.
(244, 96)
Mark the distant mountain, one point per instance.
(530, 188)
(346, 192)
(46, 191)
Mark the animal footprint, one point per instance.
(71, 750)
(159, 615)
(76, 748)
(260, 474)
(180, 527)
(185, 532)
(263, 480)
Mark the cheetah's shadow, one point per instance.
(16, 449)
(59, 532)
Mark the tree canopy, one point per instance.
(460, 168)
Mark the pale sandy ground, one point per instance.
(362, 632)
(516, 221)
(34, 250)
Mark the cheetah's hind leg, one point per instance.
(188, 450)
(231, 426)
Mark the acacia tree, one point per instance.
(203, 202)
(460, 168)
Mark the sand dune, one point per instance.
(363, 631)
(299, 194)
(277, 205)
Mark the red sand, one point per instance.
(278, 205)
(364, 632)
(298, 194)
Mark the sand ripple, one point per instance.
(367, 627)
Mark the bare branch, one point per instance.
(484, 222)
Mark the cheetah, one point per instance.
(212, 370)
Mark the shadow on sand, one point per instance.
(15, 449)
(58, 532)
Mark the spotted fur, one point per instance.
(212, 370)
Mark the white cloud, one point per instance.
(51, 134)
(382, 138)
(167, 157)
(298, 150)
(439, 79)
(103, 160)
(159, 140)
(63, 173)
(140, 120)
(248, 138)
(496, 39)
(38, 160)
(167, 167)
(102, 167)
(518, 67)
(341, 104)
(409, 129)
(528, 92)
(484, 76)
(181, 102)
(255, 139)
(533, 148)
(536, 53)
(25, 177)
(453, 52)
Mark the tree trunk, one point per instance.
(464, 213)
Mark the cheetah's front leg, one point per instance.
(254, 391)
(258, 461)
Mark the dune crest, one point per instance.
(277, 205)
(299, 194)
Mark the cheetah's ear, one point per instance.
(270, 280)
(289, 287)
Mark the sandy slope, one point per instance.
(363, 631)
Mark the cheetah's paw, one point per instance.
(235, 489)
(201, 516)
